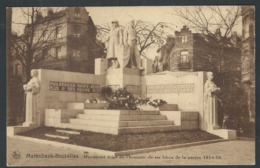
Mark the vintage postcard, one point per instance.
(130, 85)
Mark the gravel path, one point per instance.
(238, 152)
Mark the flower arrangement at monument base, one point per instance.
(123, 99)
(95, 104)
(152, 104)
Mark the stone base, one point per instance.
(14, 130)
(224, 133)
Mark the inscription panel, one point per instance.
(170, 88)
(74, 87)
(133, 89)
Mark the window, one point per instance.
(184, 57)
(18, 69)
(45, 35)
(58, 32)
(76, 30)
(222, 62)
(76, 53)
(77, 13)
(210, 58)
(58, 52)
(45, 53)
(184, 39)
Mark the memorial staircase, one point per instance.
(77, 117)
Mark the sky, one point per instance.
(104, 15)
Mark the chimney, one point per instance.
(39, 16)
(218, 34)
(50, 12)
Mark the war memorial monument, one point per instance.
(60, 99)
(87, 98)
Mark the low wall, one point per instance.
(57, 88)
(186, 89)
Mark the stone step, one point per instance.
(122, 130)
(69, 132)
(120, 112)
(76, 105)
(122, 117)
(120, 123)
(98, 117)
(56, 136)
(148, 129)
(144, 123)
(88, 122)
(108, 130)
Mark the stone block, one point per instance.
(224, 133)
(101, 123)
(168, 107)
(174, 116)
(52, 122)
(57, 136)
(189, 116)
(99, 117)
(69, 132)
(75, 105)
(151, 129)
(144, 123)
(14, 130)
(141, 117)
(147, 64)
(100, 66)
(95, 105)
(105, 112)
(52, 113)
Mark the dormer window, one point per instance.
(184, 39)
(77, 13)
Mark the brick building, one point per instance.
(197, 52)
(63, 40)
(248, 56)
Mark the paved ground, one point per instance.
(240, 152)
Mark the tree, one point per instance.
(207, 19)
(36, 36)
(148, 35)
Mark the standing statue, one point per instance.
(115, 45)
(211, 102)
(31, 89)
(131, 52)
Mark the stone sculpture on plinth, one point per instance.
(31, 89)
(210, 102)
(131, 52)
(115, 45)
(122, 49)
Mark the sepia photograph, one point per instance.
(130, 85)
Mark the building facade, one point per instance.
(63, 40)
(198, 52)
(248, 57)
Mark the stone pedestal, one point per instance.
(100, 66)
(147, 64)
(124, 77)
